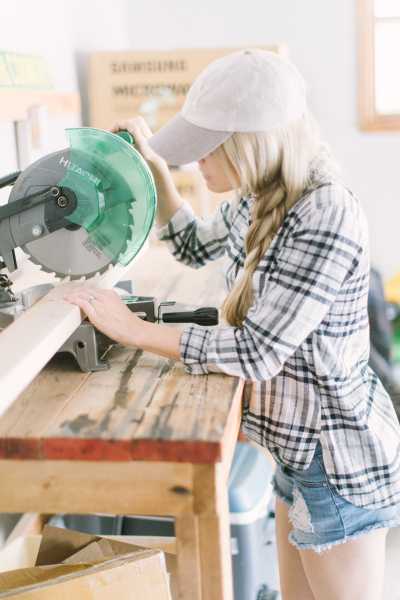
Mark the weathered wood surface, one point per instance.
(144, 408)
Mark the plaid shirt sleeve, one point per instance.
(318, 255)
(195, 241)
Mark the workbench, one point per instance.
(143, 437)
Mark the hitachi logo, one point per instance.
(65, 162)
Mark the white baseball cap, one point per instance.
(247, 91)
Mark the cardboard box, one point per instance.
(84, 567)
(167, 545)
(152, 84)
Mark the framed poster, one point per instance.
(152, 84)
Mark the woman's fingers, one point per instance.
(94, 301)
(83, 302)
(106, 311)
(140, 130)
(137, 126)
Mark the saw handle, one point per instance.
(9, 179)
(201, 316)
(127, 136)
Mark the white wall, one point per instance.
(321, 35)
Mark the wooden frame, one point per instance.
(370, 119)
(195, 494)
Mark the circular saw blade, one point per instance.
(68, 254)
(116, 204)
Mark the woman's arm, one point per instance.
(319, 256)
(110, 315)
(191, 240)
(309, 276)
(169, 199)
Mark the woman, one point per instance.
(296, 316)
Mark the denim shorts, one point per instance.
(321, 518)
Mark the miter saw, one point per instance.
(78, 212)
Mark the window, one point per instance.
(379, 65)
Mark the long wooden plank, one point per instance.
(28, 524)
(212, 510)
(154, 414)
(188, 557)
(147, 488)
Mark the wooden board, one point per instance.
(144, 407)
(140, 487)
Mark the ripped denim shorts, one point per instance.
(321, 518)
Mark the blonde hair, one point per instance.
(275, 168)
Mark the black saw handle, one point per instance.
(201, 316)
(9, 179)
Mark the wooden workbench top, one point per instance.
(144, 407)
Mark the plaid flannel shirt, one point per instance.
(304, 345)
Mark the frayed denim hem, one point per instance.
(328, 545)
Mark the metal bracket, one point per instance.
(83, 344)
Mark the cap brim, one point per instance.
(180, 142)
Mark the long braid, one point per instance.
(269, 211)
(285, 161)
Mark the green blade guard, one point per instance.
(115, 191)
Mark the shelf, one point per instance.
(14, 104)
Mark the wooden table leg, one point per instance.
(188, 557)
(212, 507)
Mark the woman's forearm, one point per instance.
(159, 339)
(169, 199)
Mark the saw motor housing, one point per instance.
(33, 215)
(81, 210)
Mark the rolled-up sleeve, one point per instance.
(195, 241)
(320, 254)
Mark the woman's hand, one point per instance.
(109, 314)
(169, 200)
(141, 132)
